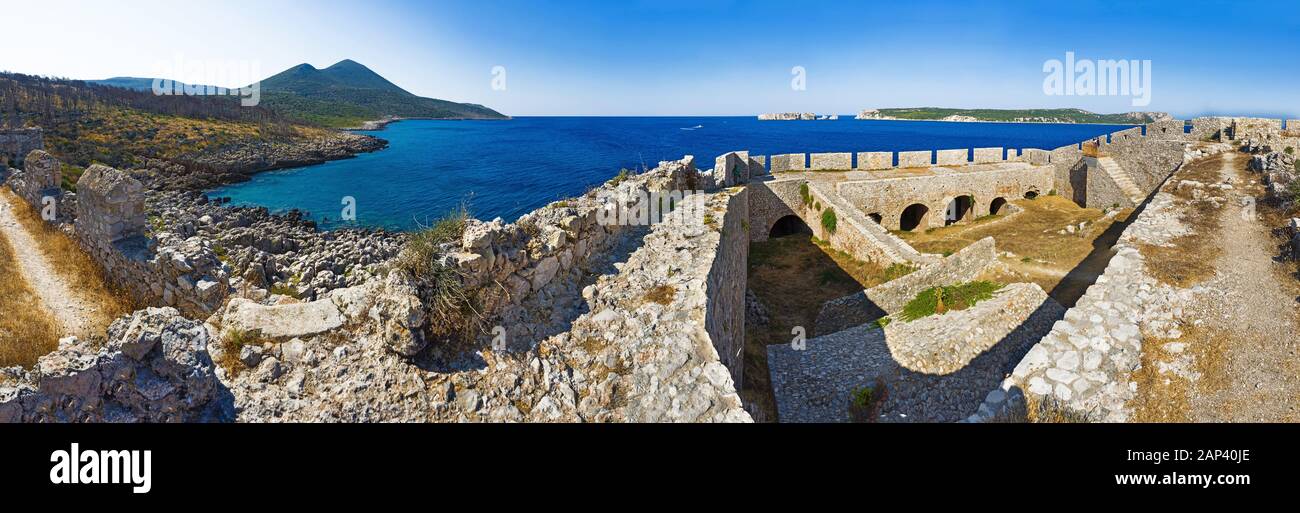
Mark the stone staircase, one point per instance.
(1122, 179)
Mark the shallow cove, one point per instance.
(508, 168)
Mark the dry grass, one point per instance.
(1190, 259)
(662, 294)
(1047, 410)
(27, 331)
(71, 262)
(1062, 264)
(1161, 397)
(231, 344)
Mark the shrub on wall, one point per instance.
(803, 193)
(829, 220)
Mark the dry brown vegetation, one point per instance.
(662, 294)
(27, 331)
(232, 342)
(1164, 397)
(1189, 259)
(1062, 264)
(71, 262)
(793, 277)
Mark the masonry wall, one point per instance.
(726, 283)
(769, 201)
(168, 271)
(1148, 160)
(889, 197)
(39, 179)
(855, 233)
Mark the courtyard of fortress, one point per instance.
(1146, 275)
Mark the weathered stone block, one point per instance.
(831, 161)
(788, 162)
(951, 157)
(908, 159)
(1035, 156)
(873, 160)
(988, 155)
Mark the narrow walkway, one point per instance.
(1254, 373)
(75, 313)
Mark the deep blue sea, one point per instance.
(508, 168)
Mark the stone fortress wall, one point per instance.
(986, 189)
(107, 218)
(625, 322)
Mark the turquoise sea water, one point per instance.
(508, 168)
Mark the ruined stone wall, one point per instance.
(1082, 366)
(648, 340)
(16, 143)
(529, 274)
(40, 179)
(889, 197)
(162, 269)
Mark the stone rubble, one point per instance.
(155, 367)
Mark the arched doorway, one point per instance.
(996, 206)
(875, 216)
(789, 225)
(958, 209)
(914, 216)
(1031, 194)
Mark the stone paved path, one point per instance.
(1254, 316)
(74, 312)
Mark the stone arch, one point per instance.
(916, 215)
(875, 216)
(958, 209)
(788, 225)
(996, 205)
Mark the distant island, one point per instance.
(344, 95)
(1013, 115)
(794, 116)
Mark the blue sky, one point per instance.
(702, 57)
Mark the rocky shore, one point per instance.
(240, 162)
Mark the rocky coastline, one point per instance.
(238, 163)
(285, 253)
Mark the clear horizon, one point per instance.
(710, 58)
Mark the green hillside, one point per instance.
(1023, 115)
(348, 93)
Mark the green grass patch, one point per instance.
(803, 193)
(937, 300)
(829, 220)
